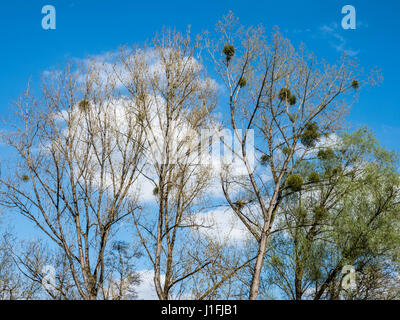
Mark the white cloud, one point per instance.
(146, 289)
(122, 115)
(221, 225)
(331, 141)
(336, 40)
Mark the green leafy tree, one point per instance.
(348, 217)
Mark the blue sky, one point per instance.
(90, 27)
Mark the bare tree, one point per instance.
(13, 284)
(73, 167)
(36, 263)
(174, 98)
(122, 276)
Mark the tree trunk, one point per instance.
(255, 283)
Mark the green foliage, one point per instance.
(336, 171)
(301, 213)
(310, 135)
(275, 261)
(355, 84)
(84, 105)
(264, 159)
(326, 154)
(314, 177)
(156, 191)
(359, 228)
(284, 94)
(240, 204)
(315, 274)
(228, 51)
(292, 100)
(242, 82)
(332, 172)
(141, 97)
(294, 182)
(320, 212)
(362, 145)
(140, 117)
(286, 151)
